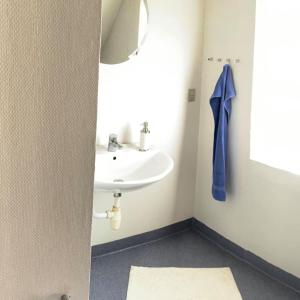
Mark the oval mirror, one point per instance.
(124, 27)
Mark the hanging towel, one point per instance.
(220, 103)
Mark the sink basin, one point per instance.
(129, 169)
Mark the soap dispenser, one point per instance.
(145, 138)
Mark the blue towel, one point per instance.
(220, 103)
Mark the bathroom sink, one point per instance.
(129, 169)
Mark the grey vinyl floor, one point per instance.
(109, 273)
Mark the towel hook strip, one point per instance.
(219, 59)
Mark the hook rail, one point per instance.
(228, 60)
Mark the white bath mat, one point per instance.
(182, 284)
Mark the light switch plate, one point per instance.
(192, 95)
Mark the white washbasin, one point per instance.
(129, 169)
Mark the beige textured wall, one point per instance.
(48, 95)
(262, 210)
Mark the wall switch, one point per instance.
(192, 95)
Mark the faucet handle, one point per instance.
(113, 140)
(113, 136)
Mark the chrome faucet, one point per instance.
(113, 144)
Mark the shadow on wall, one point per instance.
(187, 161)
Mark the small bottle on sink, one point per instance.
(145, 138)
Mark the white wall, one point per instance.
(262, 210)
(153, 87)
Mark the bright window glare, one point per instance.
(275, 117)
